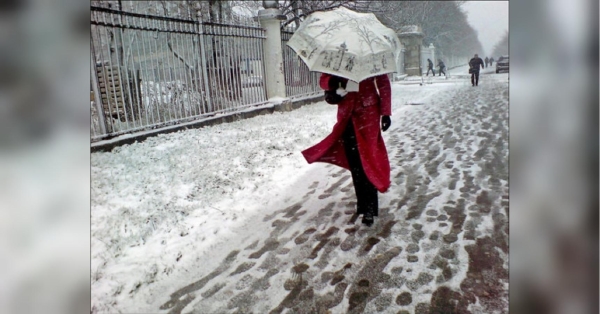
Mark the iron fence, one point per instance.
(151, 71)
(299, 81)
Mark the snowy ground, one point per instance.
(231, 219)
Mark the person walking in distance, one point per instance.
(442, 67)
(430, 67)
(487, 61)
(474, 65)
(492, 61)
(355, 142)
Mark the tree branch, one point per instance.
(169, 41)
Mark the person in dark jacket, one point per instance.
(487, 61)
(474, 65)
(442, 67)
(492, 61)
(356, 143)
(430, 67)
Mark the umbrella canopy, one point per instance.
(347, 44)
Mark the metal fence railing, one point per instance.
(299, 81)
(150, 71)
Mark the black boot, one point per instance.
(368, 220)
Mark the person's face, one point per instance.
(476, 56)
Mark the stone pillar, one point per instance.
(269, 19)
(411, 38)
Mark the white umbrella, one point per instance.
(347, 44)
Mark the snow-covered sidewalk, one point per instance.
(230, 218)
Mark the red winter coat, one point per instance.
(363, 108)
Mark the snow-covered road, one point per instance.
(231, 219)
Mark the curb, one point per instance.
(108, 145)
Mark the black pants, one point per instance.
(475, 78)
(432, 71)
(366, 193)
(442, 71)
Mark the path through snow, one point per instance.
(231, 219)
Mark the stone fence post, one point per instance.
(269, 19)
(411, 38)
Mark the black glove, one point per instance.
(335, 82)
(385, 123)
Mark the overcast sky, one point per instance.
(490, 20)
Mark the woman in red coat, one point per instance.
(356, 143)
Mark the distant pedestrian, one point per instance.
(442, 67)
(492, 61)
(355, 143)
(487, 60)
(430, 67)
(474, 65)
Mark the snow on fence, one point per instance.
(299, 81)
(151, 71)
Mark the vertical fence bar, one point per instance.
(213, 72)
(185, 83)
(176, 44)
(192, 38)
(135, 77)
(254, 64)
(263, 90)
(228, 60)
(182, 48)
(164, 62)
(235, 70)
(211, 67)
(237, 76)
(144, 102)
(219, 67)
(151, 103)
(218, 56)
(125, 85)
(162, 115)
(209, 106)
(164, 103)
(229, 86)
(188, 111)
(238, 50)
(199, 69)
(189, 90)
(148, 65)
(253, 94)
(208, 55)
(286, 74)
(126, 65)
(231, 61)
(97, 97)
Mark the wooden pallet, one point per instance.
(111, 91)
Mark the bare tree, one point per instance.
(444, 24)
(297, 10)
(501, 48)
